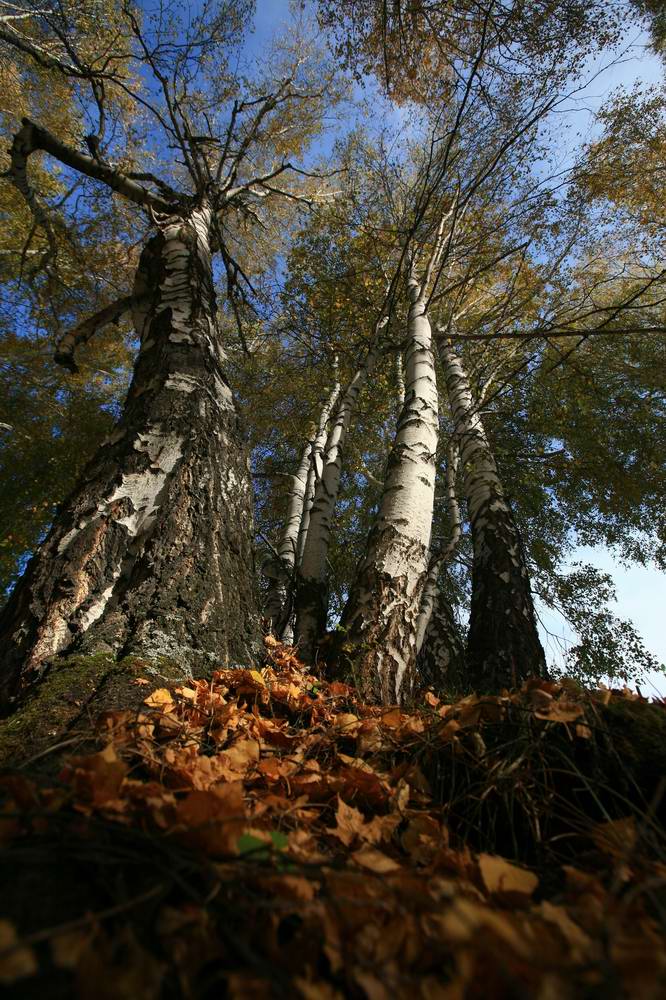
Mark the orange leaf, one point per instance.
(97, 778)
(349, 822)
(392, 719)
(214, 819)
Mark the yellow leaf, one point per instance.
(500, 876)
(160, 698)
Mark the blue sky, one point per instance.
(641, 591)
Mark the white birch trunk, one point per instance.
(315, 470)
(151, 554)
(503, 644)
(311, 591)
(400, 381)
(440, 559)
(383, 607)
(278, 607)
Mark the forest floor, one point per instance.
(266, 834)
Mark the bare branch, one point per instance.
(32, 137)
(82, 333)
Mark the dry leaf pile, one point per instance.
(267, 834)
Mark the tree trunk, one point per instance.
(383, 606)
(152, 553)
(311, 588)
(279, 605)
(440, 661)
(440, 558)
(503, 644)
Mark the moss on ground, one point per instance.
(74, 689)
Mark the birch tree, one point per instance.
(384, 603)
(311, 594)
(503, 643)
(440, 647)
(289, 554)
(140, 557)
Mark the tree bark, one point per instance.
(440, 661)
(311, 588)
(503, 643)
(301, 496)
(383, 607)
(152, 553)
(440, 558)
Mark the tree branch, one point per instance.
(31, 138)
(82, 333)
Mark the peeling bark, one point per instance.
(152, 552)
(503, 644)
(383, 607)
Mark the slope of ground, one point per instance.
(267, 834)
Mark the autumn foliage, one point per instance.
(268, 834)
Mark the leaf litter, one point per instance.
(286, 839)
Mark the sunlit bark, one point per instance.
(152, 552)
(383, 607)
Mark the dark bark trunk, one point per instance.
(503, 644)
(440, 663)
(152, 553)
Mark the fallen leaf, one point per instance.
(320, 990)
(392, 719)
(374, 860)
(97, 778)
(16, 960)
(213, 820)
(616, 838)
(161, 698)
(347, 723)
(577, 940)
(349, 822)
(501, 877)
(66, 949)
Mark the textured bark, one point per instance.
(279, 604)
(311, 597)
(383, 607)
(152, 553)
(400, 381)
(503, 644)
(441, 558)
(440, 661)
(315, 470)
